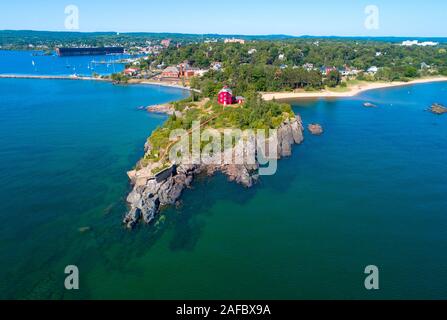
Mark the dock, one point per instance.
(16, 76)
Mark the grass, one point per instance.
(254, 114)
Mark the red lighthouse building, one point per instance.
(225, 96)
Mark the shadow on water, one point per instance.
(184, 224)
(286, 173)
(197, 203)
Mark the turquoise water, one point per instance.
(371, 190)
(21, 63)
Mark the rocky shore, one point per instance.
(150, 193)
(161, 108)
(315, 129)
(438, 109)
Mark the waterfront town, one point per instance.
(162, 62)
(245, 63)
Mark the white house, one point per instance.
(373, 70)
(410, 43)
(308, 66)
(216, 66)
(252, 51)
(425, 66)
(200, 72)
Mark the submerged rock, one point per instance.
(438, 109)
(84, 229)
(369, 105)
(132, 218)
(315, 129)
(149, 195)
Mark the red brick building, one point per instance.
(225, 96)
(171, 72)
(166, 43)
(131, 71)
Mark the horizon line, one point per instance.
(224, 34)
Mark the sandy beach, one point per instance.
(162, 84)
(351, 91)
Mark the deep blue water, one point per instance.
(371, 190)
(21, 63)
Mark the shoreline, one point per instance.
(353, 90)
(162, 84)
(82, 78)
(50, 77)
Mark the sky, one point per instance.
(417, 18)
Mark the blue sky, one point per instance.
(292, 17)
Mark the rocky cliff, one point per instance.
(150, 193)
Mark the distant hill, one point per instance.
(23, 38)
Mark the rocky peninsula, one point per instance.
(152, 192)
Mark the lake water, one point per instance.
(36, 63)
(370, 191)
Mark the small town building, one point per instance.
(216, 66)
(308, 66)
(131, 71)
(200, 72)
(171, 72)
(186, 71)
(425, 66)
(240, 100)
(327, 70)
(373, 70)
(234, 40)
(410, 43)
(252, 51)
(166, 43)
(225, 96)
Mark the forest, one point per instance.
(292, 64)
